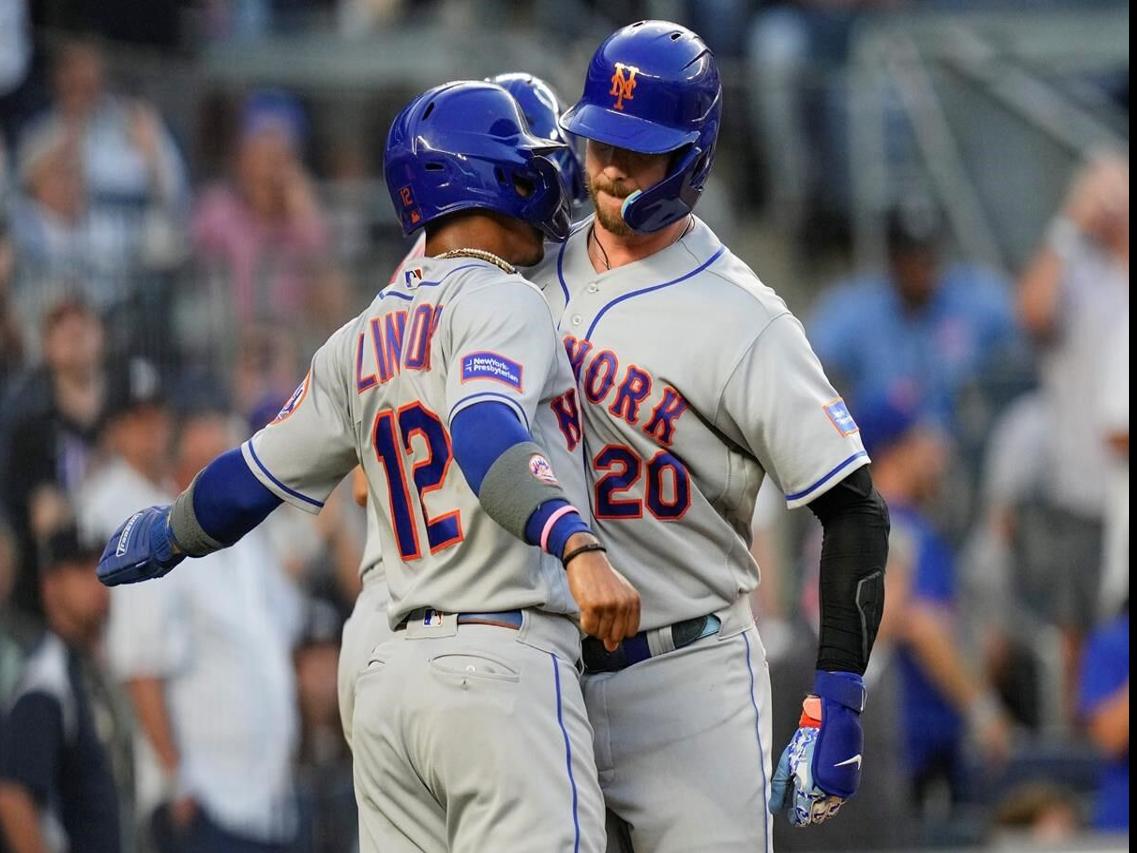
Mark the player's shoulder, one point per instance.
(728, 285)
(478, 285)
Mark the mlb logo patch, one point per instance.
(490, 365)
(413, 277)
(540, 468)
(838, 414)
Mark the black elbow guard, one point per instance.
(854, 551)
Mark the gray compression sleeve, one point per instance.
(511, 491)
(187, 530)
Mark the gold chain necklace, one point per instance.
(481, 255)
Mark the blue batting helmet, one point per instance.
(542, 109)
(653, 87)
(465, 146)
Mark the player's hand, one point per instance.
(821, 768)
(609, 605)
(142, 548)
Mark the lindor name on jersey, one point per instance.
(394, 341)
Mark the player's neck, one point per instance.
(476, 230)
(608, 251)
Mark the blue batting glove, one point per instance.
(142, 548)
(821, 768)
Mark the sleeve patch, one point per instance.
(295, 400)
(490, 365)
(540, 468)
(838, 414)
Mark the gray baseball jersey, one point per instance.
(694, 383)
(384, 390)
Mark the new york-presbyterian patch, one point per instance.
(491, 365)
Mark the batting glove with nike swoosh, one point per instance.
(142, 548)
(821, 768)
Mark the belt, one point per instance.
(646, 644)
(501, 618)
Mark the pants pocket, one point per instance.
(477, 665)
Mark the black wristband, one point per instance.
(576, 552)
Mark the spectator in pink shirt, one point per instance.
(263, 228)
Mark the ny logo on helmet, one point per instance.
(623, 83)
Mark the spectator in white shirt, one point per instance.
(1070, 296)
(134, 180)
(207, 662)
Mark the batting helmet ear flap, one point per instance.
(672, 198)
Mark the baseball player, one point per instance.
(367, 627)
(473, 706)
(694, 383)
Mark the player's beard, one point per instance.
(613, 224)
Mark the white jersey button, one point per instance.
(593, 288)
(577, 319)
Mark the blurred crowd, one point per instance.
(158, 303)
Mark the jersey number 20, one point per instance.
(394, 436)
(666, 493)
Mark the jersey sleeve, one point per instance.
(779, 400)
(500, 345)
(310, 446)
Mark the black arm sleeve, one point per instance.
(854, 551)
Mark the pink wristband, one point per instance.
(560, 513)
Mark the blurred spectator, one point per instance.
(797, 55)
(65, 743)
(1000, 597)
(1071, 297)
(134, 176)
(264, 375)
(263, 228)
(1103, 705)
(922, 331)
(11, 339)
(17, 90)
(17, 631)
(58, 248)
(51, 425)
(325, 763)
(1114, 404)
(206, 658)
(136, 435)
(941, 700)
(1037, 815)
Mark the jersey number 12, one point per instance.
(394, 436)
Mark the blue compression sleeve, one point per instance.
(563, 527)
(480, 434)
(228, 500)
